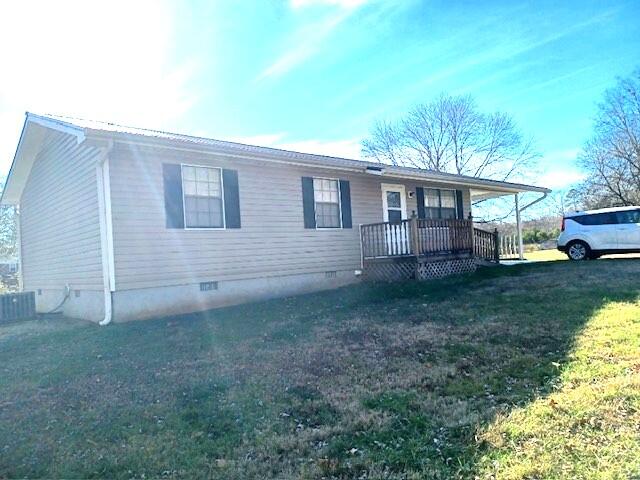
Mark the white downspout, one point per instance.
(106, 233)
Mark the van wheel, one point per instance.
(578, 250)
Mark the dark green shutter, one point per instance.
(345, 203)
(173, 207)
(420, 202)
(308, 203)
(231, 198)
(460, 204)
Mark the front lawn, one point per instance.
(529, 371)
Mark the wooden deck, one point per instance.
(425, 248)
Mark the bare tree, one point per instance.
(450, 134)
(8, 232)
(612, 156)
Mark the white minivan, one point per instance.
(593, 233)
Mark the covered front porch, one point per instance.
(439, 238)
(419, 248)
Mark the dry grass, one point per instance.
(450, 379)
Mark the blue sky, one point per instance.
(313, 75)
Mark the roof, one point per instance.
(84, 129)
(601, 210)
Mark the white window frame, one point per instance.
(403, 200)
(315, 210)
(184, 210)
(455, 200)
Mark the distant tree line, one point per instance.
(536, 235)
(533, 231)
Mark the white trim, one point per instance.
(260, 154)
(109, 224)
(58, 125)
(315, 210)
(184, 210)
(519, 229)
(106, 233)
(23, 174)
(403, 199)
(397, 236)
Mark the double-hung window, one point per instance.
(203, 199)
(440, 203)
(327, 203)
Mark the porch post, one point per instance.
(472, 236)
(415, 244)
(361, 248)
(519, 227)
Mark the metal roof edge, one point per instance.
(315, 160)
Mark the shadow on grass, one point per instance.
(534, 313)
(377, 378)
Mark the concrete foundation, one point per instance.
(146, 303)
(82, 304)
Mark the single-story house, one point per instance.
(119, 223)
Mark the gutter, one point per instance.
(106, 232)
(271, 155)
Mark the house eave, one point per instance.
(35, 125)
(30, 137)
(249, 152)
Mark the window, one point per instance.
(628, 216)
(327, 203)
(440, 203)
(596, 219)
(202, 190)
(394, 206)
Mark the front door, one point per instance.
(394, 204)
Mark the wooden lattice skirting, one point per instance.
(419, 269)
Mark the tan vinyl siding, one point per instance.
(60, 229)
(272, 240)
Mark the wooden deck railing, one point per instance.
(443, 236)
(415, 237)
(386, 239)
(424, 237)
(485, 245)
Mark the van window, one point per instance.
(608, 218)
(628, 216)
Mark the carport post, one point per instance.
(519, 227)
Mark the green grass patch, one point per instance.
(528, 371)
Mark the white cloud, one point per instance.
(336, 148)
(266, 140)
(308, 39)
(557, 169)
(348, 148)
(339, 3)
(566, 155)
(105, 61)
(557, 179)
